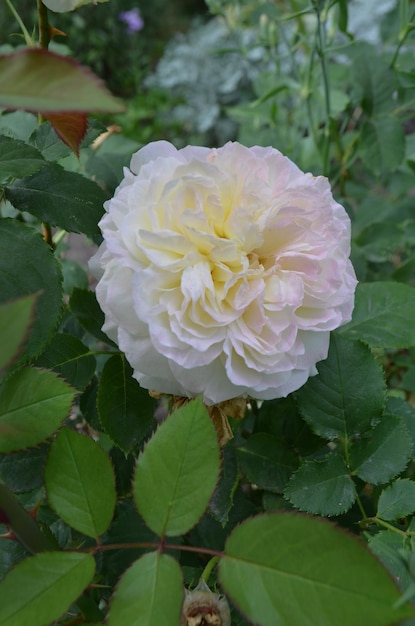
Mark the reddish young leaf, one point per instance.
(70, 128)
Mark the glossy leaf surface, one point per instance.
(70, 358)
(322, 487)
(40, 589)
(383, 315)
(149, 594)
(178, 471)
(397, 500)
(61, 198)
(336, 403)
(84, 306)
(125, 409)
(279, 572)
(383, 453)
(80, 483)
(18, 159)
(22, 253)
(33, 404)
(266, 462)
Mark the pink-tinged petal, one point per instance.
(223, 271)
(150, 153)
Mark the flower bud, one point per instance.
(202, 607)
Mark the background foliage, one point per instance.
(108, 506)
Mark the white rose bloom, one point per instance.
(223, 271)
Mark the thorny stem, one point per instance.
(44, 39)
(154, 545)
(44, 28)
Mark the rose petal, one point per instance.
(223, 271)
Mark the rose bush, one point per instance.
(223, 271)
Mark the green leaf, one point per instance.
(408, 379)
(45, 139)
(182, 459)
(149, 594)
(382, 145)
(379, 241)
(88, 404)
(382, 453)
(70, 358)
(406, 412)
(11, 553)
(39, 80)
(375, 78)
(405, 273)
(23, 471)
(387, 545)
(20, 521)
(80, 483)
(126, 411)
(337, 403)
(18, 159)
(373, 209)
(41, 588)
(107, 168)
(61, 198)
(342, 16)
(222, 499)
(18, 124)
(281, 418)
(266, 462)
(33, 269)
(33, 404)
(397, 500)
(15, 320)
(84, 306)
(73, 275)
(383, 315)
(288, 570)
(322, 487)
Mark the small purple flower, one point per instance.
(132, 19)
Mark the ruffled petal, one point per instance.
(223, 271)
